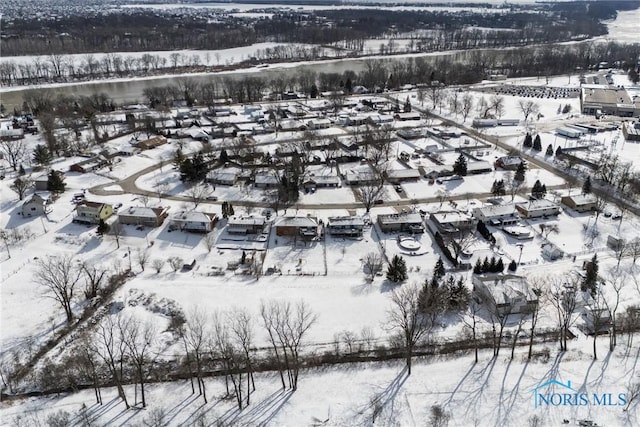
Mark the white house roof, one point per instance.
(401, 218)
(582, 199)
(245, 221)
(346, 221)
(266, 178)
(495, 210)
(403, 173)
(139, 212)
(192, 216)
(508, 288)
(297, 221)
(539, 204)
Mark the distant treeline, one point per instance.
(141, 30)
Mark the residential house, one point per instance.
(150, 143)
(322, 181)
(319, 123)
(497, 215)
(508, 162)
(538, 208)
(11, 134)
(580, 202)
(291, 125)
(266, 180)
(361, 177)
(507, 293)
(92, 212)
(140, 215)
(222, 177)
(403, 117)
(396, 176)
(597, 320)
(41, 183)
(306, 227)
(246, 225)
(401, 222)
(477, 167)
(194, 221)
(89, 165)
(350, 226)
(37, 204)
(451, 222)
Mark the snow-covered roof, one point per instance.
(297, 221)
(400, 218)
(346, 221)
(192, 216)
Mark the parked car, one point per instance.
(398, 188)
(212, 198)
(378, 202)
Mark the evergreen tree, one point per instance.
(528, 141)
(586, 186)
(519, 175)
(397, 270)
(21, 170)
(537, 143)
(103, 227)
(513, 266)
(407, 106)
(492, 265)
(499, 266)
(558, 151)
(590, 280)
(460, 166)
(438, 272)
(549, 150)
(477, 269)
(539, 190)
(485, 265)
(42, 155)
(224, 157)
(497, 189)
(55, 183)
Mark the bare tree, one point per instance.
(528, 108)
(60, 276)
(561, 294)
(195, 335)
(21, 185)
(470, 319)
(157, 264)
(633, 392)
(175, 262)
(93, 275)
(241, 325)
(497, 105)
(109, 345)
(287, 326)
(197, 193)
(466, 106)
(372, 264)
(210, 241)
(547, 229)
(598, 315)
(499, 315)
(139, 339)
(633, 249)
(369, 192)
(14, 152)
(616, 281)
(405, 317)
(142, 256)
(117, 231)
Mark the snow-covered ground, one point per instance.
(498, 392)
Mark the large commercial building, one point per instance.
(615, 101)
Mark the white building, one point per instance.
(508, 293)
(497, 215)
(198, 222)
(538, 208)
